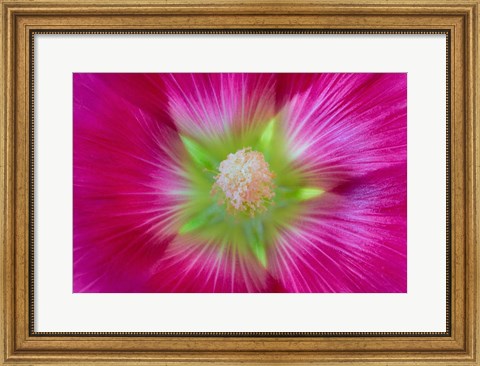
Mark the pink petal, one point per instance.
(209, 103)
(353, 239)
(191, 264)
(344, 125)
(125, 170)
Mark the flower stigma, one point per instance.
(244, 183)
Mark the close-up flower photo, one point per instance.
(240, 182)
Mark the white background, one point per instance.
(422, 309)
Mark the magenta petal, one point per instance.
(344, 125)
(191, 264)
(145, 92)
(209, 103)
(124, 168)
(352, 240)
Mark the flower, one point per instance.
(234, 182)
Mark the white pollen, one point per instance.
(245, 182)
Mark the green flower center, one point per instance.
(244, 188)
(244, 183)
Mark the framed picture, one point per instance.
(239, 183)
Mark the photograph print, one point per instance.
(240, 183)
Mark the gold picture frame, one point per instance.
(22, 19)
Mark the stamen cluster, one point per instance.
(245, 182)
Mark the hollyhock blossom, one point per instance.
(216, 182)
